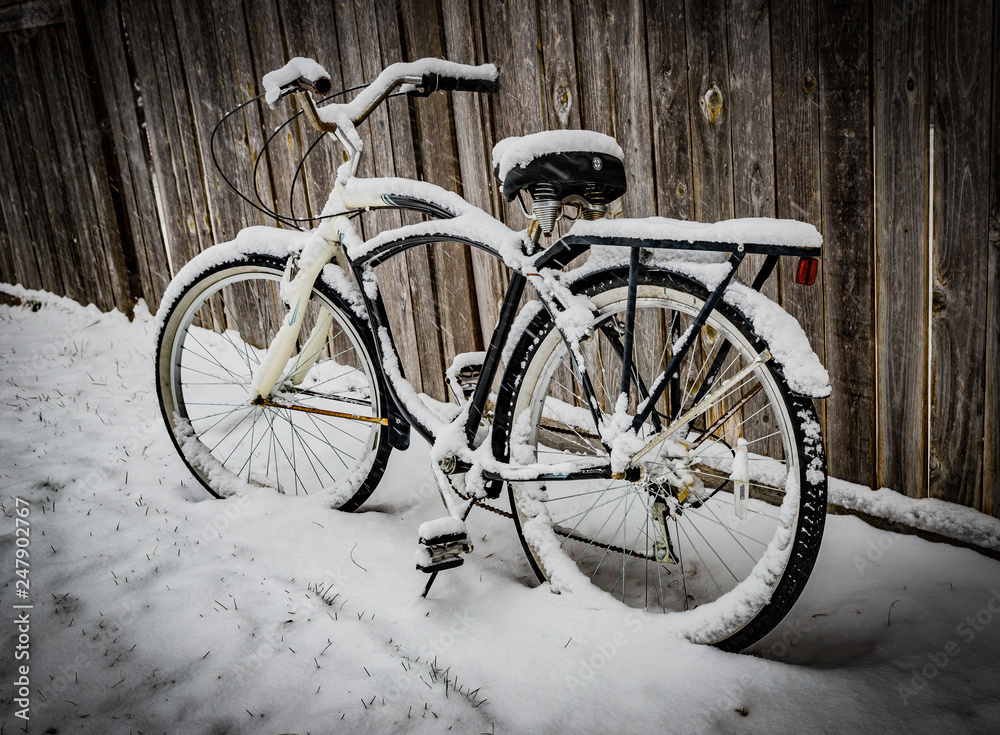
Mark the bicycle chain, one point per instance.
(564, 533)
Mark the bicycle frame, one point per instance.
(336, 237)
(330, 247)
(633, 352)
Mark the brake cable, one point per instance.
(261, 207)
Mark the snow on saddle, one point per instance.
(557, 164)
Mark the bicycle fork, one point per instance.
(316, 255)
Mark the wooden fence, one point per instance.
(878, 122)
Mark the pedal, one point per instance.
(463, 375)
(442, 543)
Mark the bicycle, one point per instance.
(654, 423)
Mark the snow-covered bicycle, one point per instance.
(654, 423)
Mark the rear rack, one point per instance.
(588, 241)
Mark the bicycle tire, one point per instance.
(292, 451)
(527, 416)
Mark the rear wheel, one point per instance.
(677, 540)
(321, 431)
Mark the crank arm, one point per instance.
(320, 411)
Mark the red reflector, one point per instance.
(808, 268)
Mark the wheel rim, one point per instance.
(217, 338)
(610, 529)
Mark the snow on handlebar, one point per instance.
(419, 77)
(298, 73)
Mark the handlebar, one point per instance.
(422, 77)
(418, 78)
(441, 83)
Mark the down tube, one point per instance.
(376, 308)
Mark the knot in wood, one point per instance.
(562, 99)
(939, 300)
(809, 83)
(711, 104)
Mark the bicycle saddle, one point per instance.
(571, 162)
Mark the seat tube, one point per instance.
(633, 287)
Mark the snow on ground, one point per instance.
(158, 609)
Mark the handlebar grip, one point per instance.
(438, 82)
(320, 86)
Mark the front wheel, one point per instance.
(730, 557)
(323, 429)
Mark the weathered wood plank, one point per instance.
(141, 238)
(794, 68)
(435, 140)
(267, 52)
(29, 154)
(308, 31)
(751, 118)
(463, 44)
(708, 101)
(400, 157)
(962, 76)
(901, 262)
(749, 47)
(991, 433)
(391, 154)
(848, 249)
(7, 267)
(25, 17)
(75, 231)
(8, 270)
(57, 165)
(24, 267)
(15, 202)
(242, 82)
(668, 88)
(560, 85)
(176, 160)
(95, 136)
(511, 41)
(511, 37)
(593, 47)
(213, 90)
(560, 88)
(630, 89)
(795, 65)
(83, 236)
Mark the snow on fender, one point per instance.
(257, 240)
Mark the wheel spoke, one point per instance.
(228, 321)
(711, 552)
